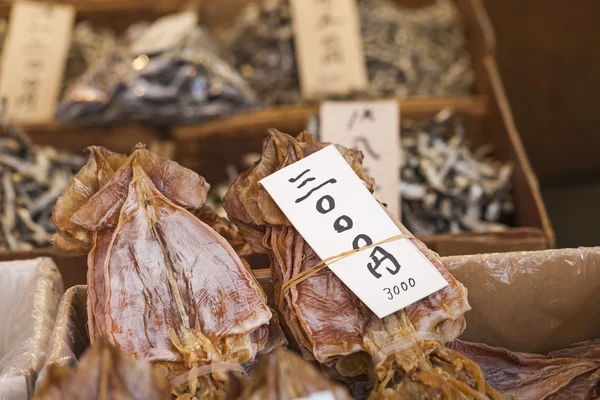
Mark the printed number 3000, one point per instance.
(396, 290)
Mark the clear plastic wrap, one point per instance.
(29, 299)
(170, 71)
(69, 338)
(532, 302)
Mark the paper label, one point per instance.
(34, 58)
(334, 212)
(324, 395)
(328, 47)
(164, 33)
(374, 128)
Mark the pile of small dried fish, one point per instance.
(88, 44)
(162, 285)
(32, 179)
(351, 340)
(447, 188)
(409, 52)
(166, 72)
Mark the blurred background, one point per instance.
(549, 66)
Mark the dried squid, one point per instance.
(328, 321)
(104, 373)
(570, 373)
(284, 375)
(163, 285)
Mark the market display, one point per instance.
(162, 285)
(179, 80)
(571, 373)
(408, 52)
(104, 372)
(32, 179)
(447, 188)
(351, 339)
(271, 380)
(175, 304)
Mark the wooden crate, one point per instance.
(210, 147)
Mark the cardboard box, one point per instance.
(525, 301)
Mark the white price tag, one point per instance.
(324, 395)
(328, 47)
(374, 128)
(334, 212)
(33, 62)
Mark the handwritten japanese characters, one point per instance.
(343, 223)
(334, 212)
(34, 59)
(329, 47)
(374, 128)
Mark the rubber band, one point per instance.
(307, 273)
(402, 344)
(205, 370)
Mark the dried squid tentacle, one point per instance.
(421, 366)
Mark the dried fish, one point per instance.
(446, 187)
(104, 373)
(88, 43)
(162, 285)
(32, 179)
(187, 80)
(409, 52)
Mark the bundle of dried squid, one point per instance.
(328, 321)
(162, 285)
(32, 178)
(408, 52)
(447, 188)
(104, 373)
(284, 375)
(159, 76)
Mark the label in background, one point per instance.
(334, 212)
(374, 128)
(34, 58)
(329, 49)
